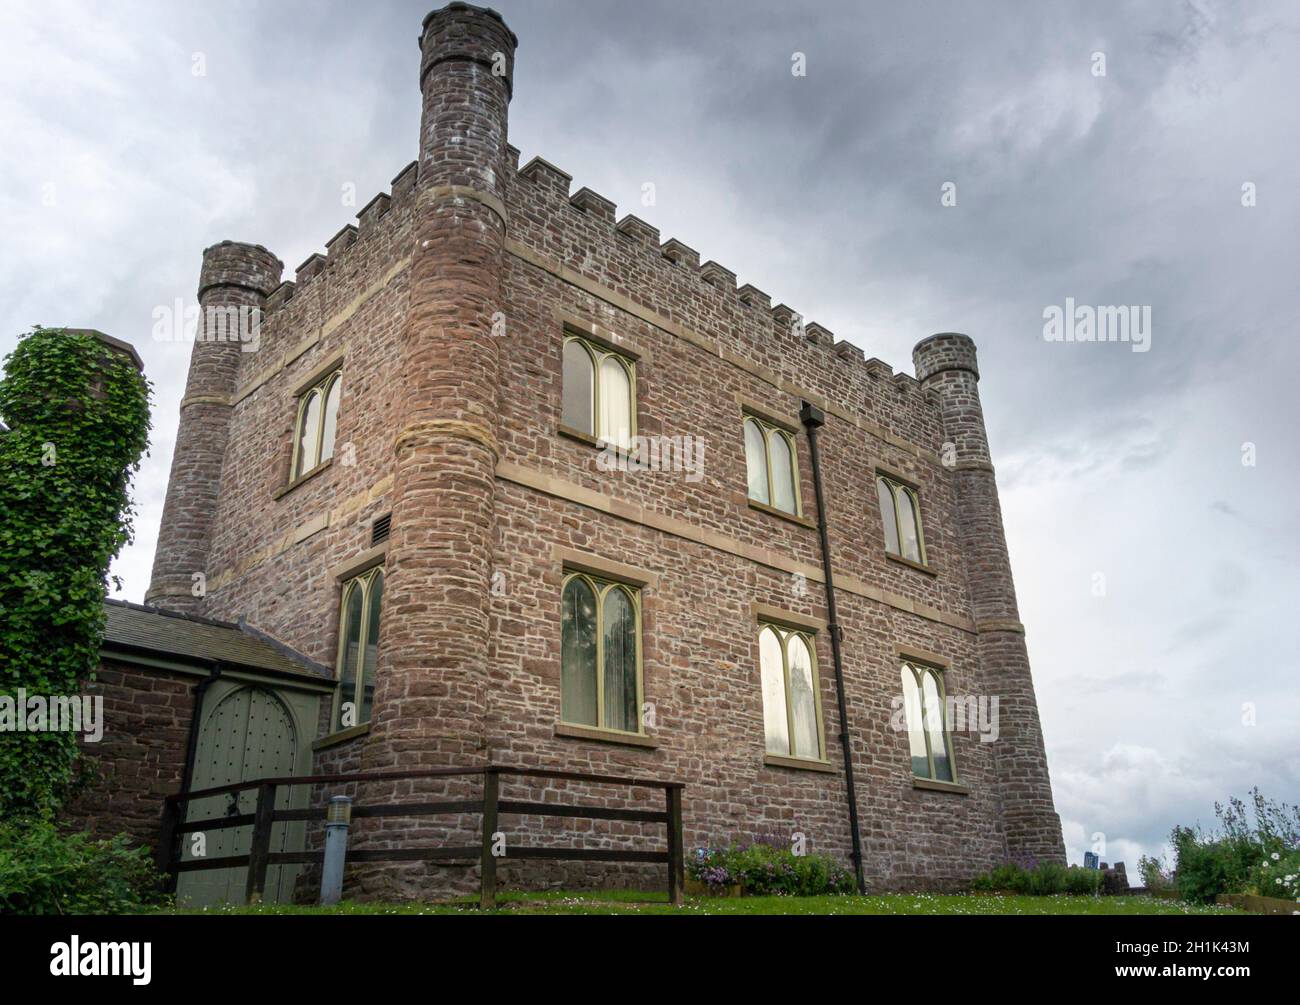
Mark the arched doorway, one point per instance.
(248, 734)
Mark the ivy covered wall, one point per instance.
(77, 410)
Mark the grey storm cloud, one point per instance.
(1149, 497)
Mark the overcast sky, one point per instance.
(134, 135)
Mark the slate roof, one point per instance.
(134, 627)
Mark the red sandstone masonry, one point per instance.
(238, 276)
(141, 758)
(466, 676)
(947, 363)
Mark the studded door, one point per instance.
(247, 735)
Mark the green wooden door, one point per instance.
(247, 734)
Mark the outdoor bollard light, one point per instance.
(337, 819)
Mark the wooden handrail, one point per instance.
(393, 776)
(578, 776)
(370, 776)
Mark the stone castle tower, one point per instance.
(947, 364)
(448, 317)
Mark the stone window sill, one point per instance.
(574, 732)
(930, 785)
(798, 763)
(341, 736)
(305, 476)
(595, 443)
(802, 521)
(918, 566)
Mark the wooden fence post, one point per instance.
(488, 864)
(260, 847)
(676, 872)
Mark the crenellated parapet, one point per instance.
(544, 186)
(549, 187)
(542, 189)
(752, 296)
(329, 285)
(375, 222)
(280, 296)
(548, 177)
(372, 212)
(819, 334)
(340, 242)
(718, 277)
(312, 266)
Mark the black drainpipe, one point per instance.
(813, 419)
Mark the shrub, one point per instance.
(764, 870)
(1047, 879)
(1230, 859)
(1042, 880)
(45, 872)
(1010, 876)
(1206, 868)
(1278, 875)
(1152, 871)
(1083, 881)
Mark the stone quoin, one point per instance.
(470, 349)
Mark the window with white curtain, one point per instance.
(318, 416)
(791, 696)
(900, 512)
(928, 736)
(599, 395)
(771, 466)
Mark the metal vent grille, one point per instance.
(379, 529)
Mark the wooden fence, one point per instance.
(491, 807)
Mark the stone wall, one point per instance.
(141, 757)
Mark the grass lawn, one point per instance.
(639, 902)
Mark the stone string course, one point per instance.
(450, 423)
